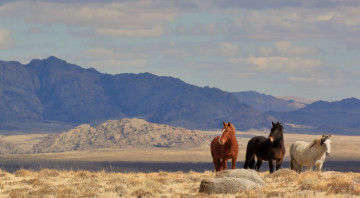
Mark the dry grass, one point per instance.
(55, 183)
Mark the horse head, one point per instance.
(276, 132)
(227, 132)
(325, 140)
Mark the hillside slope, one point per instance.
(263, 102)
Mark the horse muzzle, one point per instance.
(271, 139)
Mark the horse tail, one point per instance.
(249, 155)
(252, 163)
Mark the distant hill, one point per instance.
(263, 102)
(339, 117)
(126, 133)
(52, 95)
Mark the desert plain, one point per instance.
(79, 173)
(343, 149)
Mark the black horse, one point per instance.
(266, 149)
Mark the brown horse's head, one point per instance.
(228, 132)
(276, 131)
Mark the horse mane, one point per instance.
(232, 127)
(316, 142)
(320, 141)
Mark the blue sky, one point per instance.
(300, 48)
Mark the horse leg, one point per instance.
(249, 161)
(300, 167)
(258, 164)
(296, 166)
(216, 164)
(225, 164)
(233, 162)
(221, 161)
(252, 163)
(308, 168)
(221, 165)
(319, 165)
(278, 163)
(271, 166)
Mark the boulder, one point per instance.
(232, 181)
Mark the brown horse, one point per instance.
(224, 147)
(267, 149)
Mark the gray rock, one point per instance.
(247, 174)
(232, 181)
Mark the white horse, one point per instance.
(309, 154)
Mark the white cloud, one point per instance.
(156, 31)
(115, 19)
(109, 61)
(5, 38)
(228, 49)
(312, 80)
(326, 16)
(211, 29)
(341, 24)
(317, 79)
(286, 48)
(283, 46)
(118, 64)
(279, 64)
(265, 51)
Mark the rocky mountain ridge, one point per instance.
(125, 133)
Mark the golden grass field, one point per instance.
(67, 184)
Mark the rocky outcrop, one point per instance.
(232, 181)
(126, 133)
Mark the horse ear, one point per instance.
(323, 135)
(224, 124)
(329, 135)
(272, 123)
(229, 125)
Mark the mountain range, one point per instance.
(52, 95)
(339, 117)
(57, 95)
